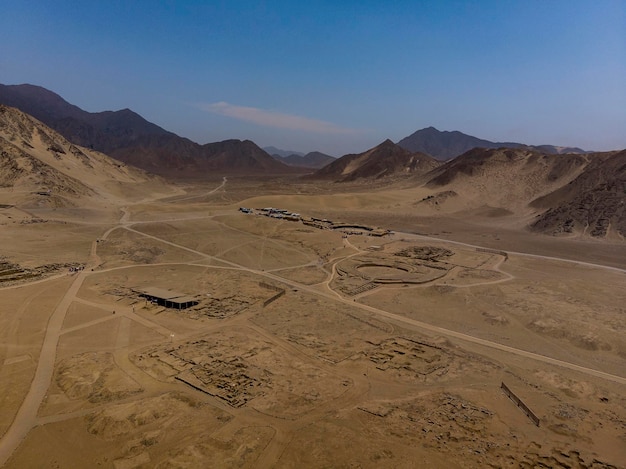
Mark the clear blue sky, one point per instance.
(335, 76)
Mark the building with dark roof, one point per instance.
(167, 298)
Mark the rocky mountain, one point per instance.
(384, 160)
(39, 167)
(593, 203)
(554, 194)
(182, 158)
(447, 145)
(505, 178)
(314, 159)
(106, 131)
(128, 137)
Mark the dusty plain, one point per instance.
(306, 347)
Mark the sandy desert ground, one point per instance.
(307, 347)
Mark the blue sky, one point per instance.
(335, 76)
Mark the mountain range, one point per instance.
(54, 153)
(447, 145)
(128, 137)
(565, 194)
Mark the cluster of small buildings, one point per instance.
(319, 223)
(280, 213)
(272, 212)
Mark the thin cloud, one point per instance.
(275, 119)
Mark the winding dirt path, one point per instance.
(221, 186)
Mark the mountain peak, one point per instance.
(384, 160)
(445, 145)
(128, 137)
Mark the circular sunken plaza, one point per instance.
(382, 270)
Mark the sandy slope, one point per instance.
(35, 159)
(504, 178)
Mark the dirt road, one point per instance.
(26, 417)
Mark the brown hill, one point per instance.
(594, 203)
(549, 193)
(39, 167)
(384, 160)
(505, 178)
(130, 138)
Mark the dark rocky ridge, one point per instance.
(447, 145)
(570, 193)
(593, 203)
(474, 161)
(128, 137)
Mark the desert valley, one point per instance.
(173, 305)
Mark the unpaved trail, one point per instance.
(221, 186)
(521, 254)
(398, 319)
(26, 416)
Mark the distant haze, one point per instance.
(284, 153)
